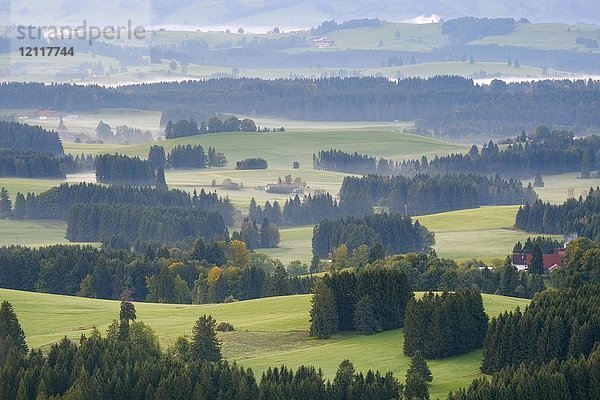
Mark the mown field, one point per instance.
(557, 188)
(269, 332)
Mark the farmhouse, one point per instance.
(551, 261)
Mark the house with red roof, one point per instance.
(551, 261)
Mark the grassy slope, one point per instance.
(547, 36)
(418, 38)
(269, 332)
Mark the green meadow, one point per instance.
(484, 233)
(269, 332)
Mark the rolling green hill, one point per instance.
(269, 332)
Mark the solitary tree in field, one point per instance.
(538, 182)
(205, 344)
(323, 313)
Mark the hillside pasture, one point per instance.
(269, 332)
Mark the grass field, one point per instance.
(484, 233)
(32, 233)
(269, 332)
(462, 68)
(545, 36)
(280, 150)
(557, 187)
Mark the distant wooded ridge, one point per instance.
(445, 105)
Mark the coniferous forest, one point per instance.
(128, 363)
(445, 325)
(555, 326)
(369, 301)
(574, 216)
(120, 169)
(428, 194)
(17, 136)
(55, 203)
(542, 152)
(135, 224)
(395, 233)
(447, 104)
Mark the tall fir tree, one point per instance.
(5, 204)
(537, 260)
(205, 344)
(11, 333)
(323, 313)
(364, 317)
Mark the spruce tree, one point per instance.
(10, 329)
(161, 183)
(5, 204)
(126, 314)
(538, 182)
(205, 344)
(537, 260)
(418, 365)
(364, 317)
(20, 210)
(323, 313)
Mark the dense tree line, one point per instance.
(395, 233)
(329, 26)
(209, 272)
(427, 194)
(184, 128)
(466, 29)
(36, 164)
(573, 216)
(310, 209)
(445, 325)
(55, 203)
(543, 152)
(369, 300)
(121, 169)
(267, 236)
(557, 324)
(252, 163)
(581, 265)
(576, 378)
(441, 103)
(187, 156)
(547, 245)
(429, 272)
(18, 136)
(30, 164)
(128, 363)
(134, 224)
